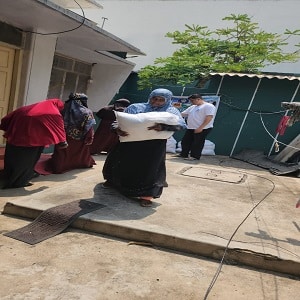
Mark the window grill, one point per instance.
(68, 75)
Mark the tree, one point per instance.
(243, 48)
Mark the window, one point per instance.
(68, 75)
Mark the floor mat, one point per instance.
(53, 221)
(257, 158)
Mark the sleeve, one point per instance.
(185, 112)
(166, 127)
(210, 110)
(100, 113)
(135, 108)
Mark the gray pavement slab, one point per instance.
(215, 204)
(77, 265)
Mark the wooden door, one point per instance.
(6, 70)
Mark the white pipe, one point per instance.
(245, 117)
(221, 81)
(183, 89)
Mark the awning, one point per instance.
(75, 31)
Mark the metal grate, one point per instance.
(82, 68)
(63, 63)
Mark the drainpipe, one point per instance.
(292, 100)
(245, 117)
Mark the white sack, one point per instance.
(208, 149)
(171, 145)
(137, 125)
(178, 148)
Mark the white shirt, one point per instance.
(196, 115)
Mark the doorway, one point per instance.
(7, 56)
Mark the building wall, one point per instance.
(107, 80)
(40, 62)
(37, 54)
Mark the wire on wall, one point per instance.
(64, 31)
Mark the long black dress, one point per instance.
(145, 176)
(137, 168)
(19, 165)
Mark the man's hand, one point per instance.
(198, 130)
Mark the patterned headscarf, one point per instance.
(147, 107)
(78, 118)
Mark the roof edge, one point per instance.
(90, 24)
(262, 75)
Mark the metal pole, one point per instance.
(104, 19)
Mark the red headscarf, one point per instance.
(38, 124)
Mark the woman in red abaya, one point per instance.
(105, 138)
(28, 130)
(79, 121)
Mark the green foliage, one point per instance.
(242, 48)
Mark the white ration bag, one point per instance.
(137, 125)
(171, 145)
(209, 148)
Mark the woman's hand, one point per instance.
(115, 128)
(88, 142)
(62, 145)
(156, 127)
(120, 132)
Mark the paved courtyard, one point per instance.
(169, 251)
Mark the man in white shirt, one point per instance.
(200, 121)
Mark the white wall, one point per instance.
(39, 72)
(144, 23)
(107, 80)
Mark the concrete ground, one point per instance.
(172, 250)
